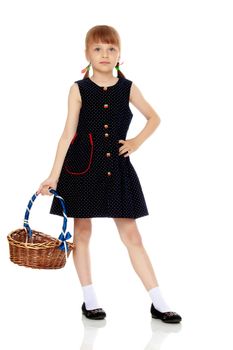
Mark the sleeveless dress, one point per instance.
(95, 181)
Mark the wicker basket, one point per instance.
(37, 250)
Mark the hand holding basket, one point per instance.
(38, 250)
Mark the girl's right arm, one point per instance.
(74, 106)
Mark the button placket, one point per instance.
(107, 154)
(106, 136)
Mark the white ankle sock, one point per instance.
(90, 298)
(157, 300)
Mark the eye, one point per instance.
(112, 49)
(97, 49)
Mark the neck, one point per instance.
(102, 77)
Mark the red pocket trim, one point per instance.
(74, 138)
(90, 160)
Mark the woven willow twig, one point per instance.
(41, 253)
(35, 249)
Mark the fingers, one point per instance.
(126, 148)
(44, 190)
(123, 148)
(49, 193)
(126, 152)
(39, 190)
(121, 141)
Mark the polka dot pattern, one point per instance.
(96, 181)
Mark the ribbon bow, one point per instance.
(64, 239)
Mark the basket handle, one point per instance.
(63, 235)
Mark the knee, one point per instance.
(131, 239)
(128, 231)
(82, 230)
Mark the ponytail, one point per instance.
(86, 71)
(119, 73)
(87, 68)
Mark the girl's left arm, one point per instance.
(153, 120)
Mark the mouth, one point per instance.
(104, 62)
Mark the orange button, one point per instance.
(106, 135)
(109, 173)
(105, 126)
(108, 154)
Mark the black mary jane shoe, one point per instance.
(95, 314)
(168, 317)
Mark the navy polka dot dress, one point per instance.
(95, 181)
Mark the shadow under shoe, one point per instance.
(88, 323)
(95, 314)
(168, 317)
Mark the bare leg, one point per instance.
(81, 255)
(131, 237)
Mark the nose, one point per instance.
(105, 53)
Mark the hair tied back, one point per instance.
(119, 73)
(86, 70)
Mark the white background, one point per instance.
(179, 54)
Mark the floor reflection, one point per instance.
(91, 329)
(160, 331)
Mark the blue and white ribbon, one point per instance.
(64, 239)
(64, 236)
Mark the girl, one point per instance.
(92, 169)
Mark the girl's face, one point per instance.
(102, 56)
